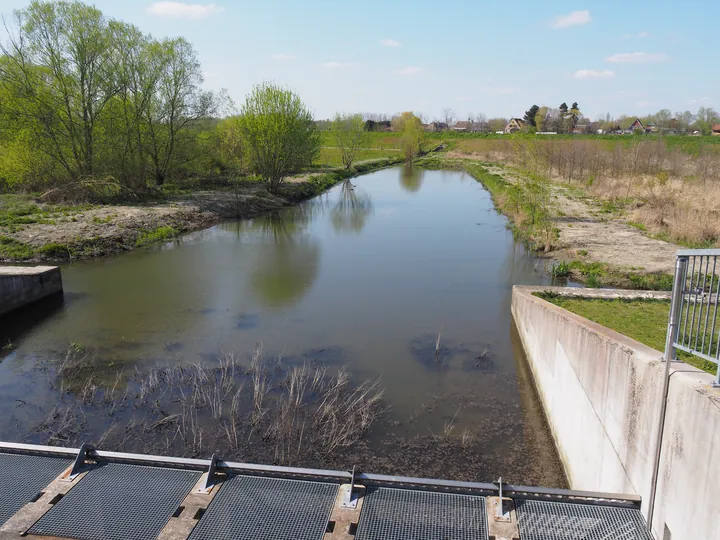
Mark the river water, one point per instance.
(367, 275)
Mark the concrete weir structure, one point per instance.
(22, 285)
(602, 394)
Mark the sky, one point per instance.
(472, 56)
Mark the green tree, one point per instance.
(349, 134)
(177, 102)
(61, 63)
(97, 97)
(413, 134)
(278, 132)
(530, 115)
(540, 119)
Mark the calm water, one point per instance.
(367, 275)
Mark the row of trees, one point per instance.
(86, 101)
(83, 96)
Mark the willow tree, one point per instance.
(60, 62)
(413, 134)
(278, 132)
(96, 97)
(349, 134)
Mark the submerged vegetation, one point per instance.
(256, 409)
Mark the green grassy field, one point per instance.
(642, 320)
(330, 157)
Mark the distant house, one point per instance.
(716, 129)
(515, 124)
(651, 127)
(436, 126)
(462, 126)
(635, 126)
(478, 127)
(580, 129)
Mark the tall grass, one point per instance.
(671, 187)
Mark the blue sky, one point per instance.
(473, 56)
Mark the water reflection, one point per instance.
(287, 263)
(351, 210)
(411, 178)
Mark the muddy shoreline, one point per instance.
(91, 231)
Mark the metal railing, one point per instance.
(693, 325)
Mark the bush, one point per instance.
(561, 269)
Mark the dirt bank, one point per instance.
(589, 232)
(33, 231)
(593, 238)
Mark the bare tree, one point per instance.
(449, 116)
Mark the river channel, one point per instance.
(401, 275)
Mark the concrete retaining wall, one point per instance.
(602, 394)
(20, 286)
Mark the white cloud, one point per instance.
(572, 19)
(639, 35)
(463, 98)
(409, 71)
(390, 43)
(592, 74)
(636, 58)
(698, 100)
(336, 65)
(506, 90)
(179, 10)
(646, 104)
(281, 56)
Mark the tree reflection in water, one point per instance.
(411, 178)
(352, 209)
(288, 262)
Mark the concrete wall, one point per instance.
(602, 394)
(20, 286)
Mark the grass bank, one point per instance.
(641, 320)
(32, 230)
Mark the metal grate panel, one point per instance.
(118, 502)
(401, 514)
(257, 508)
(541, 520)
(23, 477)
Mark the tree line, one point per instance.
(90, 101)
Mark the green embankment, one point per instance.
(641, 320)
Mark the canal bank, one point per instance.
(34, 230)
(602, 394)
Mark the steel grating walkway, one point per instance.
(401, 514)
(257, 508)
(118, 502)
(132, 496)
(23, 477)
(540, 520)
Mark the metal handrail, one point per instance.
(696, 293)
(480, 488)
